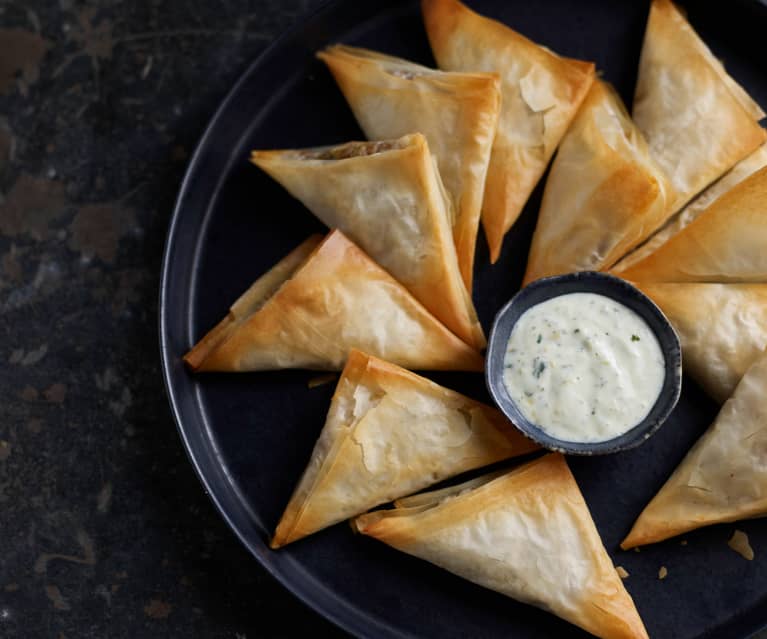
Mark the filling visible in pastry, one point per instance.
(348, 150)
(389, 199)
(457, 113)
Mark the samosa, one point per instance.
(604, 194)
(456, 112)
(722, 329)
(697, 120)
(527, 534)
(725, 243)
(388, 198)
(389, 433)
(540, 94)
(746, 167)
(320, 301)
(723, 478)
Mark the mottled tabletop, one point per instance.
(104, 529)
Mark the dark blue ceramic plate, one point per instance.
(250, 436)
(601, 284)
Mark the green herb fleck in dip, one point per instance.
(583, 367)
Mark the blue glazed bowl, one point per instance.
(614, 288)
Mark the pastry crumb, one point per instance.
(319, 380)
(683, 542)
(662, 572)
(622, 572)
(636, 549)
(739, 543)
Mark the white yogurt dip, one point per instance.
(583, 367)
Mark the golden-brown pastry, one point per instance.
(689, 213)
(387, 197)
(527, 534)
(723, 477)
(697, 120)
(540, 93)
(725, 243)
(319, 302)
(604, 194)
(456, 112)
(722, 329)
(389, 433)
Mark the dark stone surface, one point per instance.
(104, 529)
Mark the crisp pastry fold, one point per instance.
(387, 197)
(527, 534)
(697, 120)
(723, 478)
(320, 301)
(456, 112)
(725, 243)
(743, 169)
(604, 194)
(722, 329)
(540, 94)
(389, 433)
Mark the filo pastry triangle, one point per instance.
(456, 112)
(389, 433)
(697, 120)
(722, 329)
(725, 243)
(604, 194)
(540, 93)
(746, 167)
(320, 301)
(723, 478)
(388, 198)
(527, 534)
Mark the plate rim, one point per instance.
(343, 614)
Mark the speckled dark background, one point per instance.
(104, 529)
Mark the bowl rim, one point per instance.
(619, 290)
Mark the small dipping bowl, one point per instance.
(613, 288)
